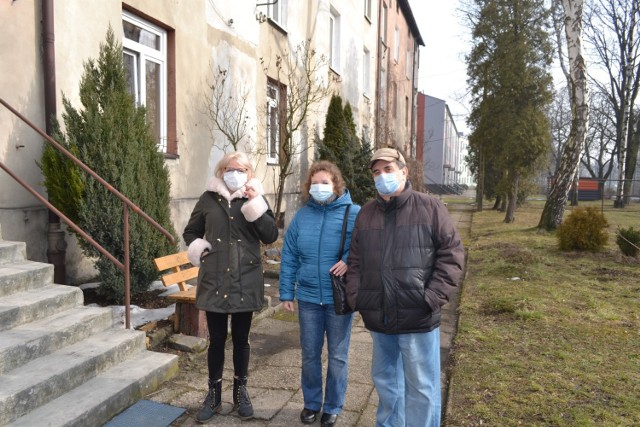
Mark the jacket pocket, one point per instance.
(214, 261)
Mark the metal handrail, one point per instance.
(128, 204)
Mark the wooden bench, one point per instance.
(188, 319)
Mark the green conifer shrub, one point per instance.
(62, 178)
(628, 241)
(342, 146)
(112, 137)
(331, 147)
(585, 229)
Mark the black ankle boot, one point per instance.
(241, 400)
(212, 403)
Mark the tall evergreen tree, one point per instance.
(511, 88)
(362, 189)
(333, 143)
(112, 137)
(342, 146)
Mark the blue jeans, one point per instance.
(315, 321)
(406, 372)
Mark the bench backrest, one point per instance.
(181, 269)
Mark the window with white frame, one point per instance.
(384, 23)
(367, 9)
(334, 40)
(396, 46)
(366, 72)
(383, 89)
(278, 12)
(273, 121)
(145, 61)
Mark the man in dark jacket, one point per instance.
(406, 258)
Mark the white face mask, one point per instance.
(321, 192)
(234, 180)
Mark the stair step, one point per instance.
(33, 304)
(28, 342)
(109, 393)
(23, 275)
(12, 251)
(42, 380)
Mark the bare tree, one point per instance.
(600, 147)
(560, 120)
(300, 74)
(554, 207)
(226, 108)
(613, 32)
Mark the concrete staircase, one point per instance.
(61, 363)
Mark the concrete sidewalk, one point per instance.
(274, 370)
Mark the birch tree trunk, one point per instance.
(622, 150)
(553, 211)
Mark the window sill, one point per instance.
(277, 26)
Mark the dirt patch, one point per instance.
(518, 255)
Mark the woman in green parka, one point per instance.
(223, 235)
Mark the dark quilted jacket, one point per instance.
(230, 278)
(405, 260)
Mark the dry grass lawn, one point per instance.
(546, 338)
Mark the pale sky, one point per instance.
(442, 71)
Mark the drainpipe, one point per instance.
(57, 246)
(376, 141)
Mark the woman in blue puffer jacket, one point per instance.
(309, 254)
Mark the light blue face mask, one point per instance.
(387, 183)
(321, 192)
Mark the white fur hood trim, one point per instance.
(252, 209)
(216, 184)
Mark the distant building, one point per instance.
(443, 147)
(397, 70)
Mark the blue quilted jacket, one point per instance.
(310, 249)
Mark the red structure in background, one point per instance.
(588, 188)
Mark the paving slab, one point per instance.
(274, 369)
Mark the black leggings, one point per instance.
(240, 326)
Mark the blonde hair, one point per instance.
(333, 170)
(239, 157)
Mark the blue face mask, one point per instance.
(321, 192)
(387, 183)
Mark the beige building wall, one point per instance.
(204, 37)
(21, 215)
(398, 57)
(310, 21)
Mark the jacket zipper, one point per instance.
(324, 211)
(237, 249)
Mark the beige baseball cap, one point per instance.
(386, 154)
